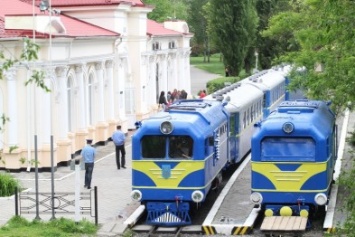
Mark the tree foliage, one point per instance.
(167, 9)
(198, 25)
(324, 31)
(232, 27)
(28, 54)
(270, 48)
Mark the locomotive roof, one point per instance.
(187, 115)
(268, 79)
(299, 105)
(237, 95)
(310, 118)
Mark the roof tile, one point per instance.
(74, 27)
(155, 28)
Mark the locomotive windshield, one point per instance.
(167, 147)
(288, 149)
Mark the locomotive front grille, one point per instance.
(289, 176)
(168, 214)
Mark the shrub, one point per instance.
(8, 185)
(219, 83)
(351, 139)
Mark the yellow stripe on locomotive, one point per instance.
(287, 180)
(177, 172)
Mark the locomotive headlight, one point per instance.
(197, 196)
(256, 198)
(166, 127)
(288, 127)
(321, 199)
(136, 195)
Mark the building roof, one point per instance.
(74, 27)
(157, 29)
(70, 3)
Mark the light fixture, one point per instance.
(256, 198)
(44, 5)
(288, 127)
(197, 196)
(136, 195)
(166, 127)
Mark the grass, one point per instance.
(8, 185)
(215, 65)
(18, 226)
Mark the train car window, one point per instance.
(248, 114)
(244, 119)
(180, 147)
(237, 123)
(211, 141)
(153, 147)
(264, 101)
(232, 122)
(288, 149)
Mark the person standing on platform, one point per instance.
(119, 138)
(163, 104)
(88, 153)
(202, 94)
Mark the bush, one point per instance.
(219, 83)
(351, 139)
(8, 185)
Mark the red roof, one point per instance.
(69, 3)
(155, 28)
(73, 26)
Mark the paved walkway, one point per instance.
(199, 79)
(114, 186)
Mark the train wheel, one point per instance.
(216, 182)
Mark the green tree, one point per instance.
(167, 9)
(198, 25)
(269, 48)
(28, 54)
(232, 27)
(324, 31)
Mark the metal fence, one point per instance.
(62, 203)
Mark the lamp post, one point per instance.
(256, 60)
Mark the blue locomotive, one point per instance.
(293, 156)
(179, 155)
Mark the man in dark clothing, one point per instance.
(118, 138)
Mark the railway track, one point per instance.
(154, 231)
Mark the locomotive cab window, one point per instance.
(162, 147)
(153, 147)
(286, 149)
(180, 147)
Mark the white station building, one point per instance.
(105, 63)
